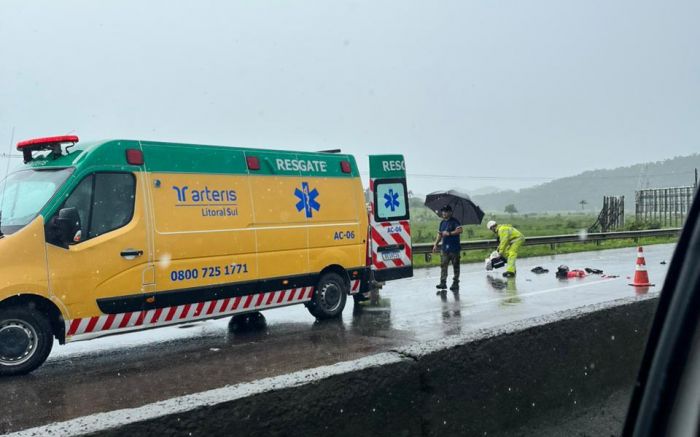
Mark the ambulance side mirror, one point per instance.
(68, 224)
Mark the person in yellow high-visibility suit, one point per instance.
(509, 241)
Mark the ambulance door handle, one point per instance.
(131, 253)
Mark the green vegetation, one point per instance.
(424, 225)
(544, 250)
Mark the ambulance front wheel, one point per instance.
(329, 297)
(25, 340)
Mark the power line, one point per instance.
(433, 176)
(530, 178)
(444, 176)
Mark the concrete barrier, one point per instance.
(506, 378)
(480, 383)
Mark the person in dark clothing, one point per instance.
(448, 233)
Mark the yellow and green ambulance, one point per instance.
(116, 236)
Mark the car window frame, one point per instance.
(670, 338)
(92, 200)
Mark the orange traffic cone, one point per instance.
(641, 277)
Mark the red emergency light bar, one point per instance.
(46, 143)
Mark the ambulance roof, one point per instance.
(197, 158)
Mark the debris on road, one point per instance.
(562, 272)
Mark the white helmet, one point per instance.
(490, 224)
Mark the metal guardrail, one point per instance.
(553, 240)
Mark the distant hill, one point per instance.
(483, 191)
(565, 194)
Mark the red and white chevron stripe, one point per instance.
(354, 286)
(382, 237)
(111, 323)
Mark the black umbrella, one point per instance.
(463, 209)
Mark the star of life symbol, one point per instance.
(392, 200)
(307, 199)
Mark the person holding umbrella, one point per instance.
(456, 209)
(448, 233)
(509, 241)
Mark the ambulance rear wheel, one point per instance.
(329, 297)
(25, 340)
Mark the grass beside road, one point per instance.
(544, 250)
(424, 225)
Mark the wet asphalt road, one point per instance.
(131, 370)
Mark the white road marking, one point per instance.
(549, 290)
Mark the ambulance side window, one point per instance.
(113, 202)
(105, 202)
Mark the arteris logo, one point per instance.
(307, 199)
(184, 194)
(212, 203)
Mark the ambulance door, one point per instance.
(108, 259)
(390, 230)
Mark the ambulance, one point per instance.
(122, 235)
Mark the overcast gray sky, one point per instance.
(515, 90)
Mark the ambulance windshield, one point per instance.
(24, 193)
